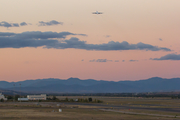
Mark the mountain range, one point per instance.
(75, 85)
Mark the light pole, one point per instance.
(20, 92)
(14, 93)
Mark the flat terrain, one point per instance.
(116, 108)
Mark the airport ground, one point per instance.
(114, 108)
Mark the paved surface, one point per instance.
(126, 107)
(134, 113)
(177, 110)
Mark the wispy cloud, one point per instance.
(160, 39)
(51, 40)
(6, 24)
(100, 60)
(50, 23)
(107, 36)
(168, 57)
(106, 60)
(133, 60)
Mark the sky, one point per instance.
(131, 40)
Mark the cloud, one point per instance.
(160, 39)
(133, 60)
(100, 60)
(82, 60)
(6, 24)
(92, 60)
(168, 57)
(123, 60)
(6, 34)
(50, 23)
(103, 60)
(107, 36)
(23, 24)
(15, 24)
(33, 39)
(51, 40)
(76, 43)
(43, 35)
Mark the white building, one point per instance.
(22, 99)
(2, 97)
(37, 97)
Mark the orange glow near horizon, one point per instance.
(123, 20)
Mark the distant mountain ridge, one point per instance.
(75, 85)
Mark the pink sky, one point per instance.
(133, 21)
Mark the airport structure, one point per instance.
(22, 99)
(2, 97)
(37, 97)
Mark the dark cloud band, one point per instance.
(75, 43)
(51, 40)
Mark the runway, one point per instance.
(125, 107)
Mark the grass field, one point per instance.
(134, 101)
(49, 110)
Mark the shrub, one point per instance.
(99, 101)
(90, 99)
(2, 100)
(10, 97)
(54, 98)
(66, 99)
(71, 100)
(86, 100)
(16, 97)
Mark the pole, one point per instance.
(20, 92)
(14, 93)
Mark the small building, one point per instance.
(37, 97)
(2, 97)
(22, 99)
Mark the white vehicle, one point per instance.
(97, 12)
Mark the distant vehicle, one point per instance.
(97, 12)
